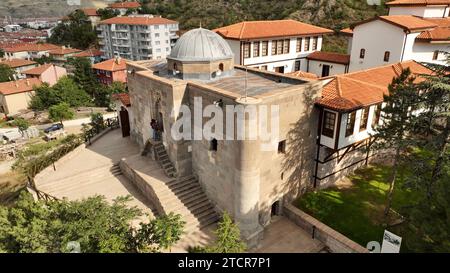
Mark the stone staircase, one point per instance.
(164, 161)
(186, 197)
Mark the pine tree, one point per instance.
(397, 124)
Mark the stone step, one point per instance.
(180, 183)
(176, 203)
(183, 194)
(207, 219)
(195, 208)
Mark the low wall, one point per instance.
(145, 188)
(335, 241)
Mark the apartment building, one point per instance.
(137, 37)
(278, 45)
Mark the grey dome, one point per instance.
(201, 45)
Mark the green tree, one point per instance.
(228, 237)
(83, 76)
(97, 122)
(397, 124)
(107, 13)
(60, 112)
(75, 31)
(44, 60)
(97, 225)
(22, 124)
(168, 229)
(6, 73)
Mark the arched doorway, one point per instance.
(124, 122)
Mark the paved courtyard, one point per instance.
(91, 172)
(283, 236)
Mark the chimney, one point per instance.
(63, 47)
(118, 60)
(28, 82)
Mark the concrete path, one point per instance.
(92, 172)
(283, 236)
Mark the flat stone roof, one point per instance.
(256, 82)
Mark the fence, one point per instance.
(97, 129)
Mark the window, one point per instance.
(213, 145)
(364, 119)
(315, 41)
(307, 42)
(156, 27)
(376, 118)
(298, 46)
(282, 147)
(362, 53)
(387, 54)
(156, 35)
(221, 66)
(286, 46)
(279, 47)
(297, 66)
(246, 50)
(264, 67)
(255, 49)
(329, 120)
(350, 124)
(265, 48)
(274, 48)
(157, 42)
(435, 55)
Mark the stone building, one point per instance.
(323, 127)
(236, 175)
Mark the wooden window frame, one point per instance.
(315, 43)
(297, 68)
(364, 120)
(362, 53)
(307, 44)
(435, 55)
(376, 116)
(246, 50)
(350, 124)
(327, 121)
(274, 48)
(256, 51)
(282, 147)
(387, 56)
(298, 46)
(264, 48)
(286, 46)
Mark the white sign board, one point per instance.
(391, 243)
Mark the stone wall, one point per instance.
(335, 241)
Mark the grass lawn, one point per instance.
(356, 210)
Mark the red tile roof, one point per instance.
(31, 47)
(406, 22)
(14, 63)
(269, 29)
(123, 97)
(330, 57)
(90, 11)
(139, 20)
(363, 88)
(347, 31)
(89, 53)
(439, 34)
(303, 74)
(20, 86)
(111, 65)
(38, 70)
(63, 51)
(417, 2)
(124, 5)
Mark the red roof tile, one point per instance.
(38, 70)
(330, 57)
(124, 5)
(438, 34)
(303, 74)
(90, 11)
(363, 88)
(20, 86)
(138, 20)
(89, 53)
(417, 2)
(406, 22)
(31, 47)
(269, 29)
(63, 51)
(111, 65)
(123, 97)
(14, 63)
(347, 31)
